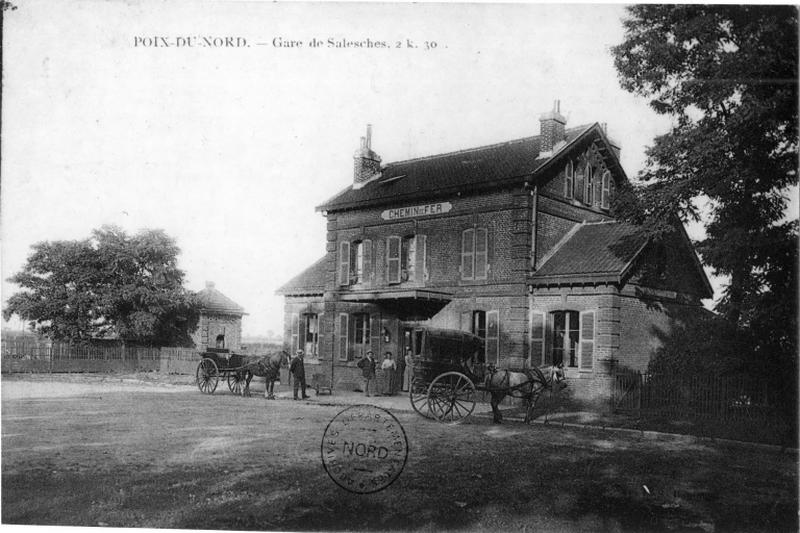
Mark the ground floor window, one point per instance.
(486, 325)
(311, 335)
(566, 334)
(353, 336)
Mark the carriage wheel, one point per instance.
(451, 397)
(207, 376)
(418, 394)
(236, 382)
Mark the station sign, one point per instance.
(417, 211)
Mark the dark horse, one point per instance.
(528, 385)
(263, 366)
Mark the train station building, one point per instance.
(514, 242)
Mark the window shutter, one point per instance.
(419, 260)
(548, 350)
(374, 344)
(295, 331)
(537, 337)
(468, 254)
(344, 263)
(481, 253)
(367, 262)
(341, 337)
(493, 337)
(606, 192)
(569, 180)
(587, 340)
(320, 324)
(393, 260)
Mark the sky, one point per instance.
(229, 147)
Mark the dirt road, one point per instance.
(149, 455)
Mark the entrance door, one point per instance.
(413, 340)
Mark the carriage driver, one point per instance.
(298, 370)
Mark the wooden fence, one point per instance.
(740, 406)
(33, 355)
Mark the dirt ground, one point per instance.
(89, 451)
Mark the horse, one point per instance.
(528, 385)
(263, 366)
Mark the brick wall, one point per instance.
(211, 325)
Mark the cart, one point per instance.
(216, 364)
(448, 371)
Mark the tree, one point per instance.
(727, 74)
(111, 285)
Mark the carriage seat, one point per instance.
(321, 384)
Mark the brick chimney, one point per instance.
(551, 130)
(366, 163)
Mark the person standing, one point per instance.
(399, 374)
(367, 366)
(388, 368)
(298, 371)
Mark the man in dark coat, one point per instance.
(298, 370)
(367, 366)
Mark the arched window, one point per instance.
(605, 198)
(588, 196)
(569, 180)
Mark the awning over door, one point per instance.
(406, 304)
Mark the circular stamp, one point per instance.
(364, 449)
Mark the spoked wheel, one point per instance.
(451, 397)
(418, 394)
(207, 376)
(236, 382)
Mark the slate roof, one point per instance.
(593, 250)
(450, 172)
(309, 281)
(214, 301)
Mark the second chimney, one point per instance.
(366, 163)
(551, 130)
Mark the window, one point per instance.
(493, 337)
(295, 332)
(573, 339)
(355, 262)
(605, 195)
(569, 180)
(220, 341)
(486, 325)
(408, 258)
(588, 196)
(393, 246)
(361, 334)
(310, 334)
(565, 338)
(578, 190)
(474, 254)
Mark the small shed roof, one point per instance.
(211, 300)
(309, 281)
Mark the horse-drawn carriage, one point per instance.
(236, 369)
(449, 372)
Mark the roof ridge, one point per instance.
(476, 148)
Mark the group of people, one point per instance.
(393, 372)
